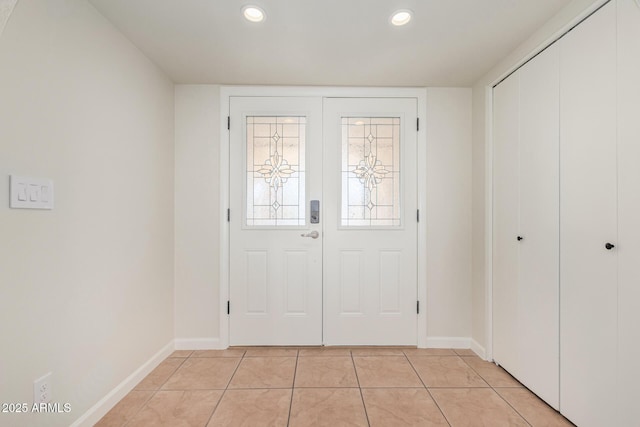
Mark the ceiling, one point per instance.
(328, 42)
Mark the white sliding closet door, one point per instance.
(505, 223)
(538, 279)
(629, 211)
(526, 225)
(588, 220)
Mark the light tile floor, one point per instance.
(330, 386)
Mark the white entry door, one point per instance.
(346, 275)
(275, 273)
(370, 227)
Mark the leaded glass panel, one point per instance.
(370, 171)
(275, 192)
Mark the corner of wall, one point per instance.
(104, 405)
(197, 216)
(478, 209)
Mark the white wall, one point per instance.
(86, 290)
(448, 215)
(552, 29)
(478, 319)
(197, 215)
(6, 8)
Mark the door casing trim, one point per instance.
(227, 92)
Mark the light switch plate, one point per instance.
(31, 193)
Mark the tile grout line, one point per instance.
(438, 406)
(220, 399)
(459, 387)
(511, 406)
(476, 372)
(154, 392)
(293, 385)
(139, 409)
(494, 390)
(508, 403)
(214, 409)
(234, 372)
(464, 359)
(364, 406)
(225, 389)
(427, 388)
(414, 370)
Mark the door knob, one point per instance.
(314, 234)
(520, 238)
(609, 246)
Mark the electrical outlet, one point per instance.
(42, 389)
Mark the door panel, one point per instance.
(370, 228)
(275, 273)
(588, 220)
(526, 225)
(506, 106)
(539, 258)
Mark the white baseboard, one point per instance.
(198, 344)
(104, 405)
(478, 349)
(448, 342)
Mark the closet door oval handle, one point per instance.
(609, 246)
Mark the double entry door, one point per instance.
(323, 227)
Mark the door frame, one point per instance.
(227, 92)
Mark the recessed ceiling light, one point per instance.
(401, 17)
(253, 13)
